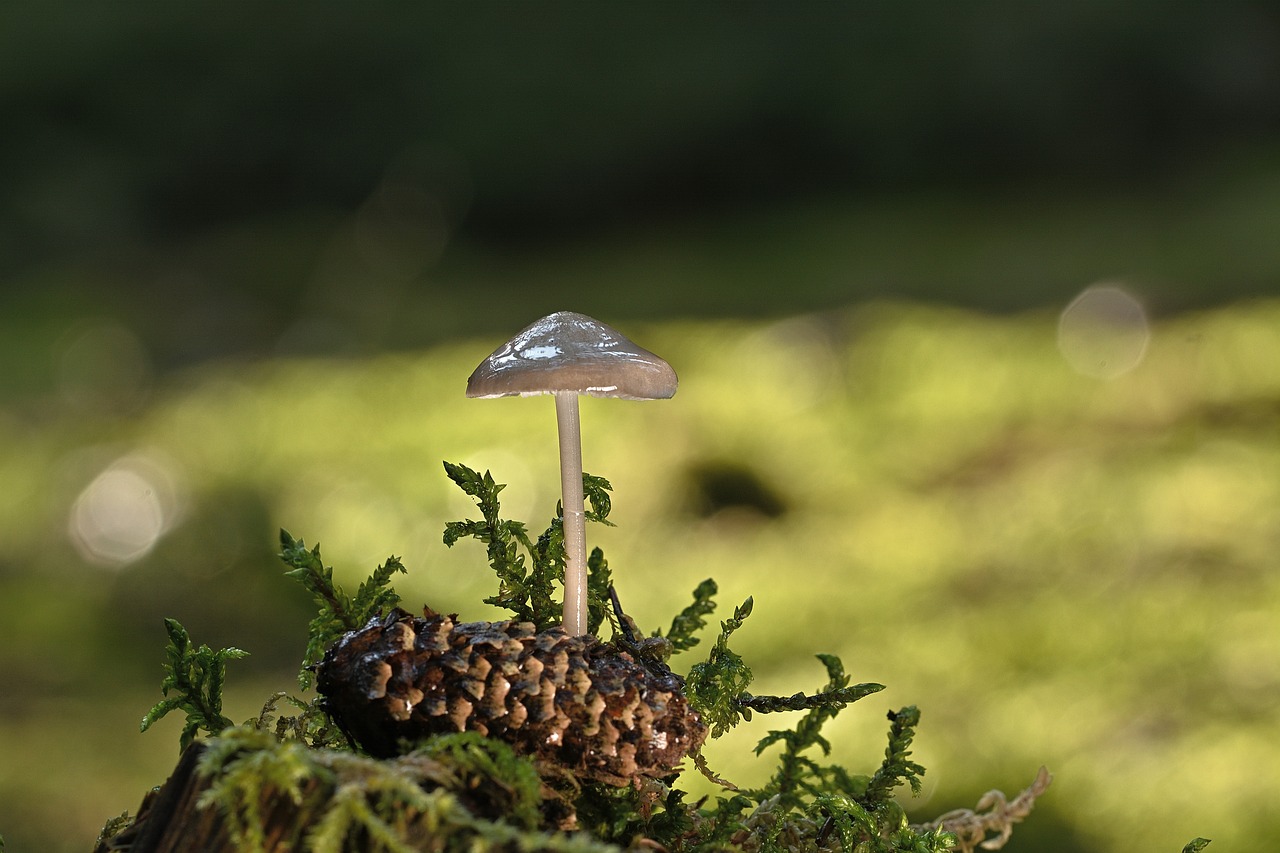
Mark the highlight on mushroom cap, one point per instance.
(571, 352)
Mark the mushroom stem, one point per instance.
(575, 537)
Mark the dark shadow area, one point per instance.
(716, 486)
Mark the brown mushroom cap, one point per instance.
(567, 351)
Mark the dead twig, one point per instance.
(994, 813)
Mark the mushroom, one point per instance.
(567, 354)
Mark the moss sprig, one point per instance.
(897, 767)
(686, 623)
(194, 675)
(523, 589)
(528, 569)
(867, 831)
(714, 686)
(311, 725)
(799, 776)
(599, 584)
(338, 611)
(809, 806)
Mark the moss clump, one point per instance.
(294, 781)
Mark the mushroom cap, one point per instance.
(567, 351)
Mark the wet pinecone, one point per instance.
(585, 705)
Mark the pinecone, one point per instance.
(589, 706)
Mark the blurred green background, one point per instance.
(975, 307)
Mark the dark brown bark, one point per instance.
(171, 820)
(168, 819)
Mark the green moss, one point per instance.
(338, 612)
(467, 791)
(528, 570)
(453, 793)
(194, 675)
(715, 684)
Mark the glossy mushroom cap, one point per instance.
(567, 351)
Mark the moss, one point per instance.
(454, 792)
(468, 790)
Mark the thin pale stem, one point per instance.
(575, 536)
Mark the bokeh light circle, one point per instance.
(123, 512)
(1104, 332)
